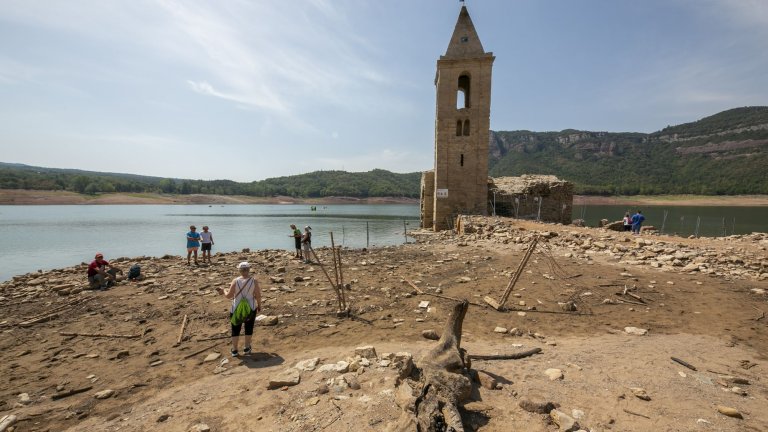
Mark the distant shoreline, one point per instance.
(38, 197)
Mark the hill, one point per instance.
(375, 183)
(726, 153)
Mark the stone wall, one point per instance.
(427, 201)
(537, 197)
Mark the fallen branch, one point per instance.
(684, 363)
(515, 356)
(547, 311)
(222, 336)
(439, 295)
(631, 302)
(69, 393)
(100, 335)
(637, 414)
(181, 331)
(188, 356)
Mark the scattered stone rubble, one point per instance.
(733, 261)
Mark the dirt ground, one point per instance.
(674, 200)
(716, 325)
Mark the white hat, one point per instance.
(244, 265)
(308, 227)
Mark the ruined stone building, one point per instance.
(538, 197)
(459, 183)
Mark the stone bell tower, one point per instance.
(459, 182)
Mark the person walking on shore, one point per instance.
(627, 222)
(193, 243)
(297, 240)
(243, 288)
(306, 241)
(637, 222)
(206, 238)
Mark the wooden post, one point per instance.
(405, 232)
(528, 253)
(367, 236)
(181, 331)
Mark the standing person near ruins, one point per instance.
(637, 222)
(297, 240)
(98, 275)
(244, 287)
(306, 241)
(206, 238)
(193, 243)
(627, 222)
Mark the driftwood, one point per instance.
(637, 414)
(515, 356)
(188, 356)
(69, 393)
(511, 285)
(442, 384)
(51, 313)
(422, 292)
(684, 363)
(210, 338)
(101, 335)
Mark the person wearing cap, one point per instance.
(243, 287)
(206, 238)
(98, 275)
(193, 243)
(297, 240)
(306, 241)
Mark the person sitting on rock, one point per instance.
(98, 275)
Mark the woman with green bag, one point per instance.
(246, 303)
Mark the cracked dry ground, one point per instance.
(711, 323)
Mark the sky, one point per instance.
(253, 89)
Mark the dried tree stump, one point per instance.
(442, 382)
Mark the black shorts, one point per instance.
(298, 242)
(206, 247)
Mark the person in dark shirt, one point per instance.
(637, 222)
(297, 240)
(98, 275)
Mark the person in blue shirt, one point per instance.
(193, 243)
(637, 222)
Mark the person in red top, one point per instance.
(98, 275)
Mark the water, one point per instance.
(712, 221)
(47, 237)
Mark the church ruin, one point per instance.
(459, 183)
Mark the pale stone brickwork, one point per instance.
(462, 125)
(539, 197)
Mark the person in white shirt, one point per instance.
(206, 239)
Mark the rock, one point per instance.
(565, 422)
(298, 279)
(7, 421)
(430, 334)
(486, 380)
(404, 395)
(104, 394)
(212, 357)
(730, 412)
(200, 427)
(423, 304)
(288, 377)
(267, 320)
(352, 381)
(368, 352)
(640, 393)
(403, 363)
(24, 399)
(635, 331)
(500, 330)
(276, 279)
(538, 407)
(308, 364)
(554, 374)
(340, 367)
(281, 269)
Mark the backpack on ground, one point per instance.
(134, 272)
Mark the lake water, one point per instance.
(46, 237)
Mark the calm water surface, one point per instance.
(46, 237)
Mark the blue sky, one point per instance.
(247, 90)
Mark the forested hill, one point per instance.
(726, 153)
(376, 183)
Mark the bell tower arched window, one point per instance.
(463, 94)
(458, 128)
(466, 127)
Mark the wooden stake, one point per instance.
(181, 331)
(637, 414)
(100, 335)
(511, 285)
(188, 356)
(684, 363)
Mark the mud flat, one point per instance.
(675, 200)
(608, 311)
(35, 197)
